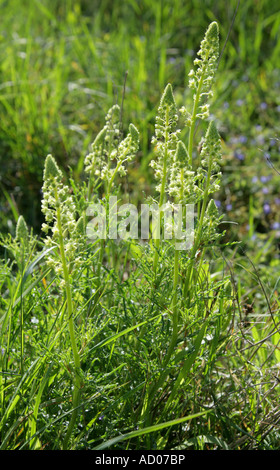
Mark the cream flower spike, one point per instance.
(60, 213)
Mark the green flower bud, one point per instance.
(211, 149)
(212, 210)
(22, 231)
(165, 138)
(202, 76)
(181, 154)
(51, 169)
(167, 98)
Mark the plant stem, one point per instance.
(199, 232)
(162, 194)
(190, 151)
(193, 119)
(77, 366)
(174, 308)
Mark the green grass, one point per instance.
(159, 367)
(59, 75)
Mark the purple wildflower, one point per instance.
(265, 179)
(266, 208)
(243, 139)
(239, 155)
(239, 102)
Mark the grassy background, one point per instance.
(64, 64)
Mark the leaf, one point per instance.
(123, 332)
(187, 364)
(12, 204)
(30, 287)
(149, 429)
(34, 263)
(191, 359)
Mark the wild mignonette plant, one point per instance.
(173, 167)
(201, 79)
(59, 210)
(145, 331)
(107, 160)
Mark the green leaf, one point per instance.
(31, 267)
(149, 429)
(121, 333)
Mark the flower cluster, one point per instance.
(60, 214)
(211, 220)
(22, 235)
(210, 175)
(21, 245)
(211, 157)
(182, 186)
(107, 148)
(105, 142)
(125, 151)
(202, 76)
(206, 66)
(166, 135)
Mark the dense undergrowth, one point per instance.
(129, 344)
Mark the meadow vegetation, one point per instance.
(134, 344)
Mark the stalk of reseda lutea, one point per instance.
(59, 210)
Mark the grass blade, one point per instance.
(148, 430)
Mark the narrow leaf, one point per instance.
(149, 429)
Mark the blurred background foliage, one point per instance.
(63, 64)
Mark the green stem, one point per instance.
(21, 316)
(174, 305)
(151, 391)
(100, 262)
(77, 378)
(193, 119)
(174, 308)
(110, 183)
(190, 151)
(147, 415)
(162, 194)
(199, 232)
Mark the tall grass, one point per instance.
(59, 76)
